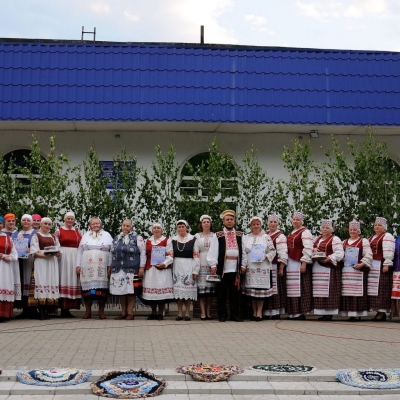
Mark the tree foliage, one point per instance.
(215, 187)
(158, 198)
(358, 179)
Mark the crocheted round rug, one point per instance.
(284, 369)
(210, 372)
(54, 376)
(370, 378)
(128, 384)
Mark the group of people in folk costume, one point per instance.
(321, 275)
(348, 278)
(294, 275)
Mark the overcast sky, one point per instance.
(329, 24)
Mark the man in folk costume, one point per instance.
(228, 258)
(357, 262)
(380, 279)
(327, 277)
(276, 304)
(299, 271)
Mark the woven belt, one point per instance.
(231, 258)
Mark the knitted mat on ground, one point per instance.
(370, 378)
(210, 372)
(128, 384)
(54, 376)
(284, 369)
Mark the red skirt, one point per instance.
(278, 301)
(6, 309)
(357, 303)
(70, 304)
(137, 285)
(384, 299)
(335, 292)
(304, 303)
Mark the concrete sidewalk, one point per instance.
(161, 346)
(107, 344)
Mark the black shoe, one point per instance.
(276, 317)
(265, 317)
(203, 318)
(235, 319)
(325, 318)
(24, 315)
(208, 318)
(222, 320)
(253, 318)
(151, 317)
(379, 317)
(354, 319)
(187, 318)
(258, 319)
(178, 318)
(159, 317)
(66, 314)
(301, 317)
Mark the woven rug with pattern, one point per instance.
(210, 372)
(370, 378)
(54, 376)
(128, 384)
(284, 368)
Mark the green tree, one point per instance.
(340, 187)
(48, 191)
(256, 191)
(215, 187)
(91, 197)
(302, 190)
(158, 198)
(377, 182)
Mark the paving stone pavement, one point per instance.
(102, 344)
(110, 344)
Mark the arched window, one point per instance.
(16, 159)
(191, 185)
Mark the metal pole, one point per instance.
(202, 34)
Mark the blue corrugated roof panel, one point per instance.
(69, 81)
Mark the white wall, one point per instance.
(270, 145)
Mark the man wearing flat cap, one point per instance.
(227, 257)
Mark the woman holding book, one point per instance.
(25, 262)
(128, 258)
(158, 288)
(205, 290)
(260, 253)
(357, 261)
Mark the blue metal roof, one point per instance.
(70, 81)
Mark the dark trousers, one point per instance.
(226, 285)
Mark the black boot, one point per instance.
(66, 314)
